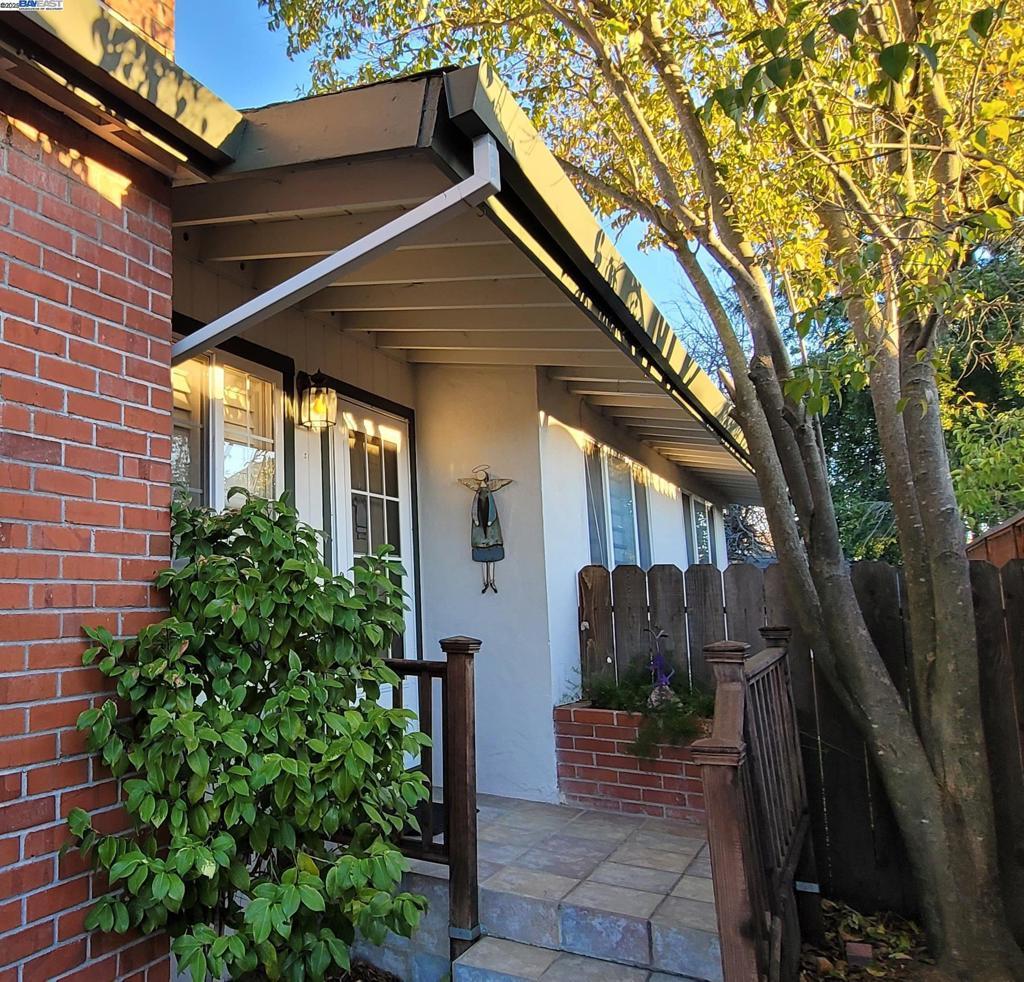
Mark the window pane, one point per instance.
(643, 526)
(391, 468)
(691, 552)
(188, 433)
(376, 523)
(394, 537)
(357, 457)
(360, 525)
(250, 459)
(620, 501)
(373, 463)
(595, 510)
(700, 517)
(711, 535)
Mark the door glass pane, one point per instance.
(377, 536)
(188, 434)
(390, 468)
(394, 533)
(360, 525)
(623, 518)
(249, 459)
(373, 464)
(357, 458)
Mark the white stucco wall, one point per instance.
(668, 535)
(566, 550)
(467, 416)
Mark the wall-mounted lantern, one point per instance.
(318, 402)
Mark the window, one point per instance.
(373, 497)
(617, 512)
(228, 419)
(699, 525)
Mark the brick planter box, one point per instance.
(597, 770)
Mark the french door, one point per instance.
(373, 499)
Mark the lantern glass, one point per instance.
(318, 406)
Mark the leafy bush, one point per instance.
(254, 734)
(671, 721)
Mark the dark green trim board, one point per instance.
(268, 359)
(327, 493)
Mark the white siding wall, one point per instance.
(566, 551)
(468, 416)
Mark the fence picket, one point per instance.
(743, 585)
(597, 642)
(632, 626)
(1000, 699)
(705, 618)
(668, 613)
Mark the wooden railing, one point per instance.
(756, 800)
(448, 828)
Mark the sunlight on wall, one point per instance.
(589, 445)
(106, 182)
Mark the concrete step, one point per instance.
(499, 960)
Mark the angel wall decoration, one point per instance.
(485, 531)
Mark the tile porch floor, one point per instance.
(552, 877)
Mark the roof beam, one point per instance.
(541, 341)
(507, 357)
(612, 388)
(332, 189)
(440, 296)
(417, 266)
(495, 319)
(295, 238)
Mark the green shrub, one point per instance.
(672, 721)
(253, 733)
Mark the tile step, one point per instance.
(501, 960)
(673, 935)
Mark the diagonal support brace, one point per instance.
(469, 192)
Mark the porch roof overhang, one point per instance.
(527, 277)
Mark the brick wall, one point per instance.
(154, 18)
(597, 770)
(84, 488)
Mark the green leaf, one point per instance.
(258, 917)
(982, 20)
(845, 23)
(894, 60)
(774, 38)
(311, 898)
(929, 54)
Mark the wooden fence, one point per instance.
(859, 851)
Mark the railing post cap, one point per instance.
(776, 633)
(460, 645)
(726, 650)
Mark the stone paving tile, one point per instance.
(578, 867)
(497, 852)
(529, 819)
(633, 854)
(614, 899)
(529, 883)
(701, 866)
(672, 826)
(577, 968)
(695, 888)
(494, 959)
(577, 846)
(685, 912)
(603, 934)
(668, 843)
(635, 877)
(522, 918)
(599, 825)
(509, 835)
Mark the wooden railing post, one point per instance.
(460, 793)
(722, 757)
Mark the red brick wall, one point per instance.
(84, 487)
(154, 18)
(597, 770)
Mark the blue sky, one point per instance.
(227, 46)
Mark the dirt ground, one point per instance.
(897, 946)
